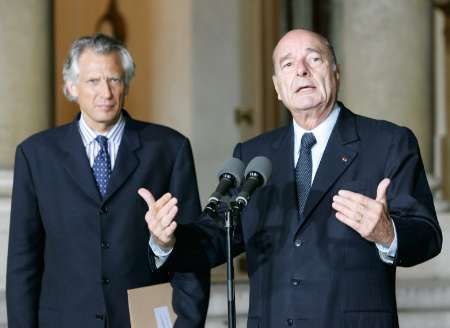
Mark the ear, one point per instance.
(275, 84)
(337, 75)
(337, 72)
(72, 89)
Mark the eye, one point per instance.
(316, 59)
(93, 81)
(115, 80)
(287, 65)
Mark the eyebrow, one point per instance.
(314, 50)
(289, 55)
(282, 59)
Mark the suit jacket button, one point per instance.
(99, 316)
(290, 322)
(105, 281)
(298, 243)
(104, 245)
(103, 210)
(295, 282)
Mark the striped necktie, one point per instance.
(303, 170)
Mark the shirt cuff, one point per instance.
(387, 255)
(160, 255)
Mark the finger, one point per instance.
(348, 213)
(167, 219)
(163, 211)
(147, 196)
(350, 204)
(162, 201)
(356, 197)
(169, 232)
(351, 223)
(148, 218)
(382, 190)
(156, 216)
(153, 217)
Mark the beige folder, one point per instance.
(151, 307)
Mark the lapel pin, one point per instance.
(344, 159)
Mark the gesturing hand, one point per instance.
(369, 217)
(160, 218)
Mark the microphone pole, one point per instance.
(230, 176)
(229, 229)
(257, 173)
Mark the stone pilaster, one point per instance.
(25, 96)
(25, 68)
(385, 51)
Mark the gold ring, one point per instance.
(360, 217)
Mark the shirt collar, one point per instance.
(321, 132)
(114, 134)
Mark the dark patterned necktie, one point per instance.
(102, 165)
(303, 170)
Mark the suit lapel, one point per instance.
(283, 171)
(341, 150)
(76, 162)
(127, 160)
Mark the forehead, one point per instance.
(299, 41)
(91, 61)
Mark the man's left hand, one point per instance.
(369, 217)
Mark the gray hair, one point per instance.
(100, 44)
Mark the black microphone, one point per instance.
(257, 173)
(230, 176)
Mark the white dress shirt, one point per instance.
(114, 136)
(322, 133)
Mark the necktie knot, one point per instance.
(102, 141)
(308, 140)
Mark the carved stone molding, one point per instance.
(423, 295)
(422, 303)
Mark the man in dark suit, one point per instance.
(77, 238)
(348, 201)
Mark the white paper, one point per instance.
(162, 317)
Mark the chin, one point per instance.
(108, 113)
(308, 103)
(307, 107)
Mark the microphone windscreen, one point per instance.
(235, 167)
(261, 165)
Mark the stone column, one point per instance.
(442, 72)
(25, 70)
(385, 51)
(25, 96)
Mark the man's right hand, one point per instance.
(160, 218)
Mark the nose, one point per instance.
(302, 69)
(106, 89)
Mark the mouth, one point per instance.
(305, 89)
(105, 106)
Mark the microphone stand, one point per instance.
(232, 215)
(229, 228)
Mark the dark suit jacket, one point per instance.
(318, 272)
(72, 256)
